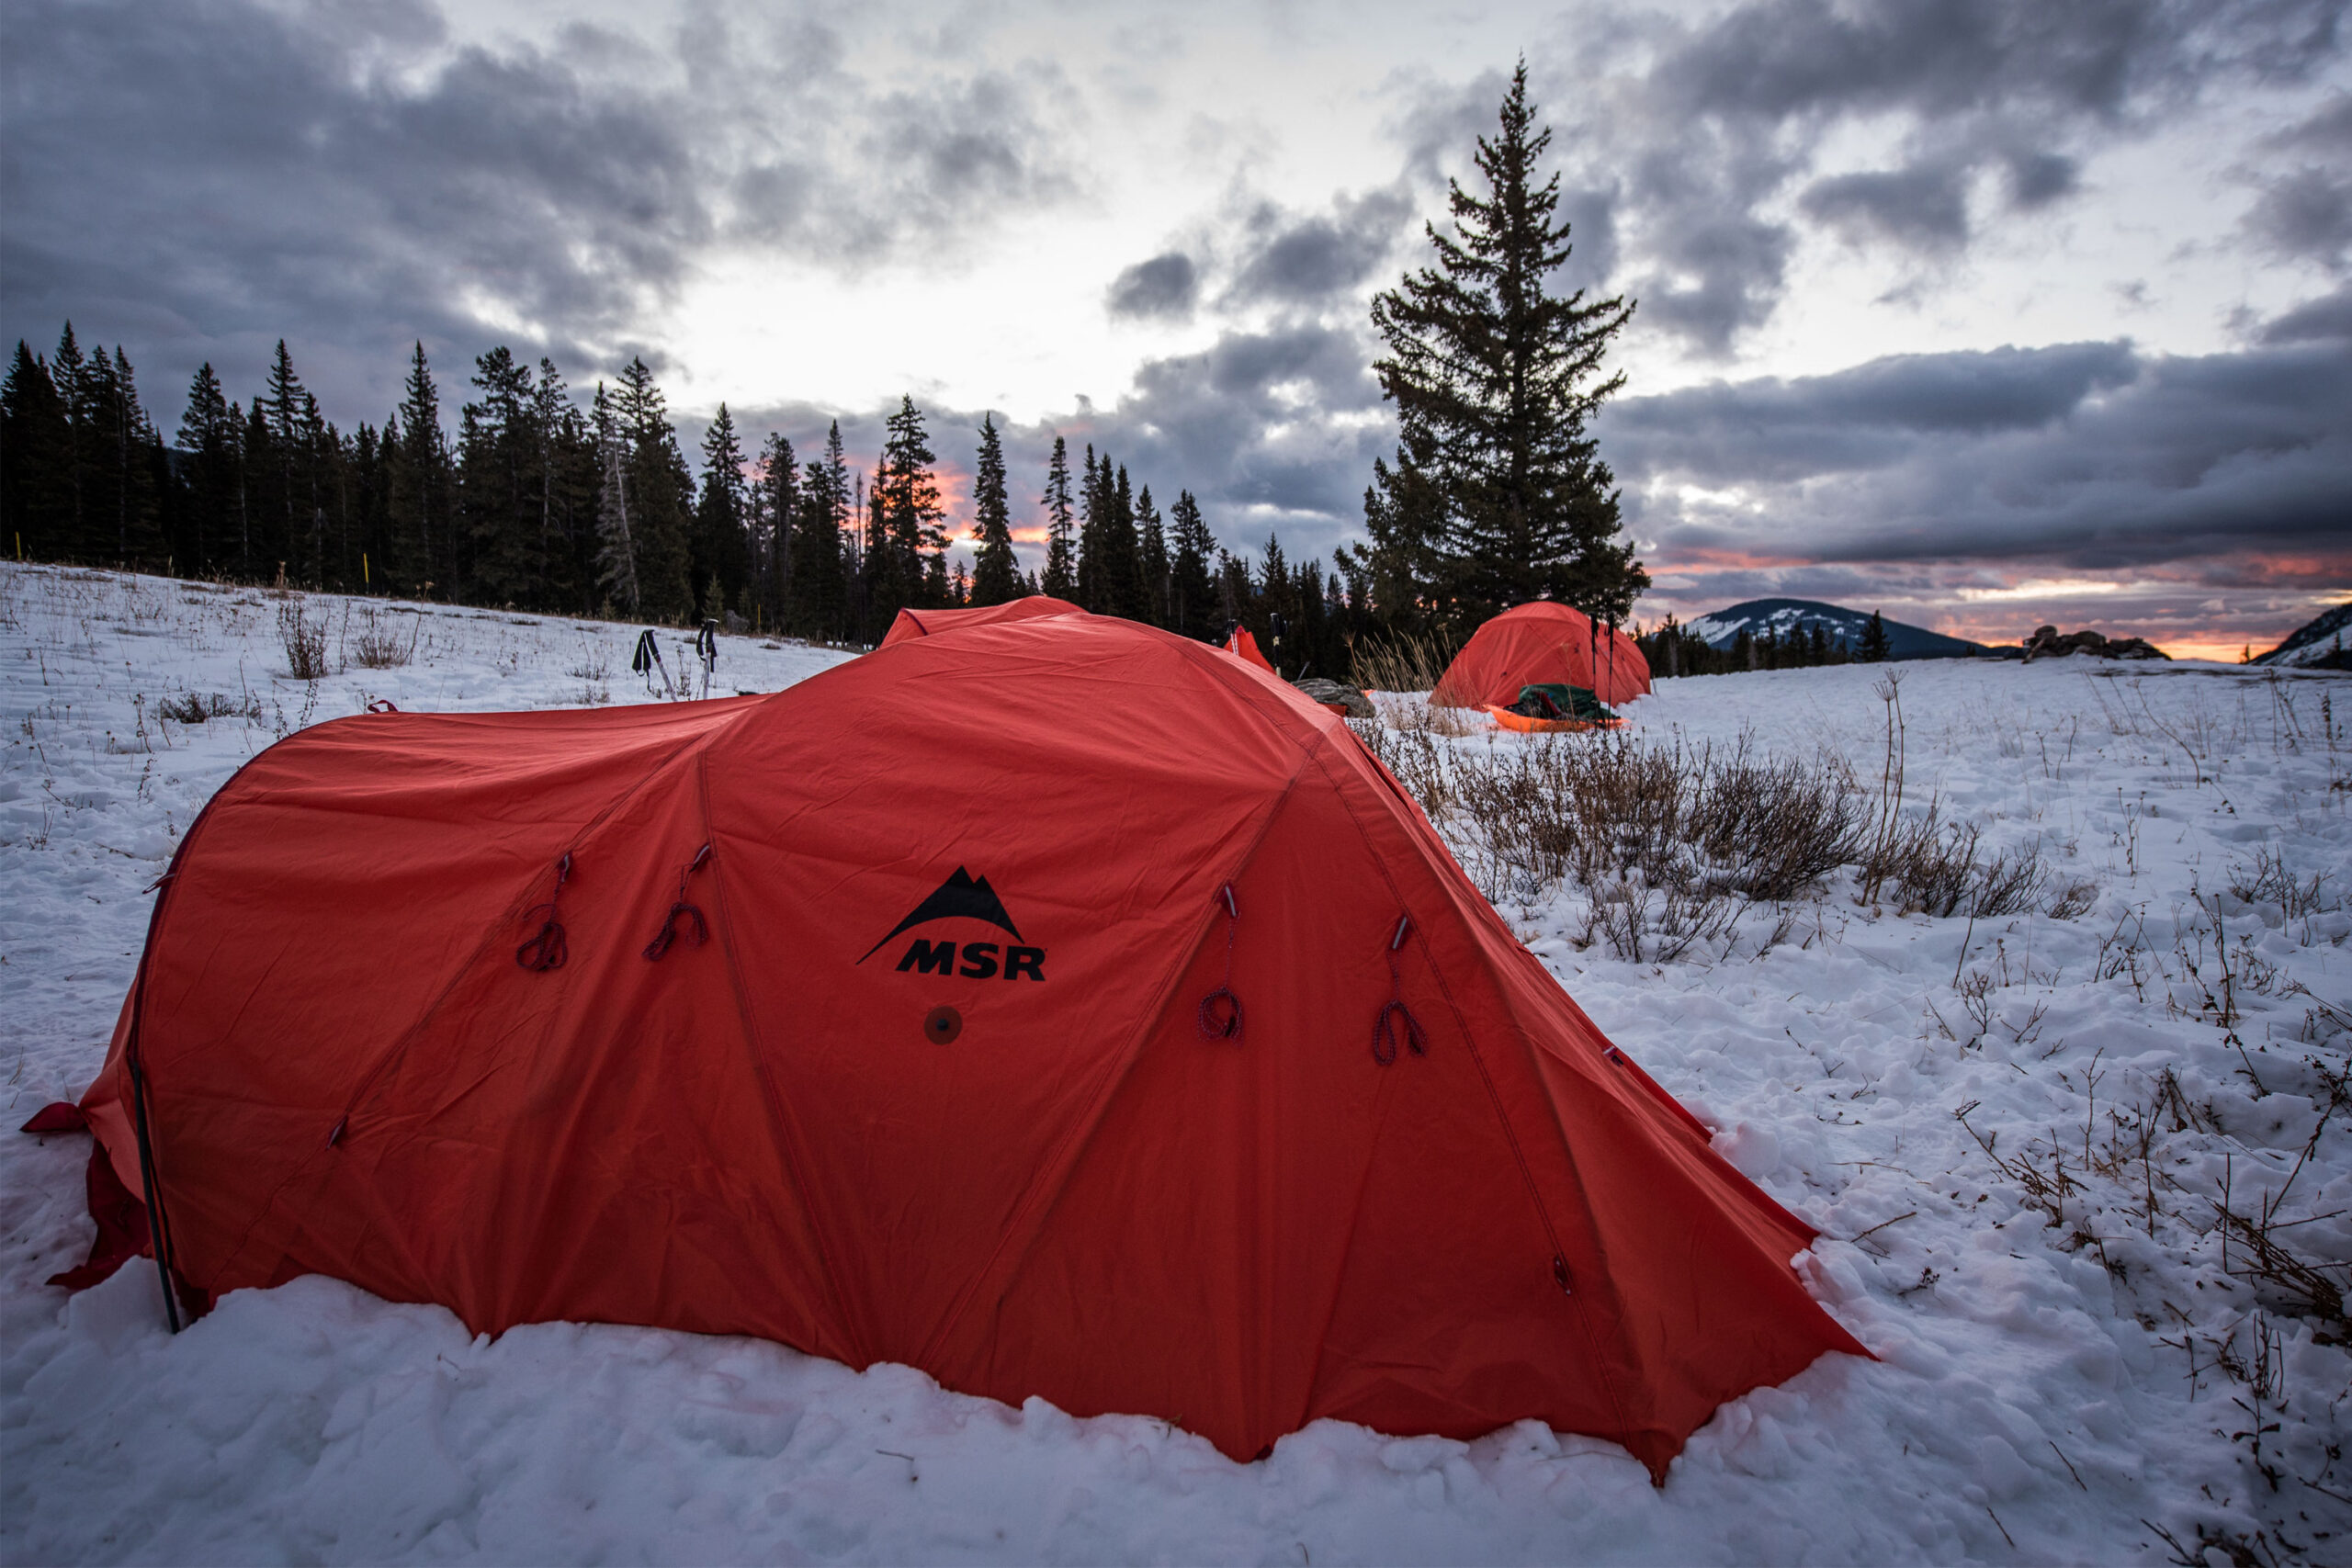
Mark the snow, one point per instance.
(2045, 1391)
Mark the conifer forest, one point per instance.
(529, 494)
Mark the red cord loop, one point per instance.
(698, 927)
(1220, 1010)
(1396, 1024)
(547, 950)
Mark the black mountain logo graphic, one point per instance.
(961, 894)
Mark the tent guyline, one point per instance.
(996, 1152)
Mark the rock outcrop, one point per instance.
(2045, 643)
(1347, 698)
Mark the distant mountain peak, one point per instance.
(2318, 642)
(1721, 628)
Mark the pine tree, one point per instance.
(995, 572)
(124, 499)
(416, 452)
(660, 495)
(1311, 628)
(617, 542)
(1060, 576)
(291, 477)
(777, 509)
(208, 500)
(1496, 383)
(719, 554)
(913, 518)
(1277, 607)
(69, 373)
(1875, 645)
(1122, 579)
(818, 602)
(1093, 512)
(1399, 564)
(1191, 592)
(36, 461)
(499, 498)
(563, 472)
(1154, 559)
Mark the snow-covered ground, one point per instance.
(2048, 1390)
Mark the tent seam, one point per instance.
(1494, 1101)
(1037, 1205)
(768, 1093)
(409, 1037)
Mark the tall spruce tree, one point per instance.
(1496, 382)
(1152, 541)
(776, 496)
(1093, 516)
(420, 484)
(499, 494)
(36, 461)
(207, 442)
(1060, 577)
(818, 602)
(615, 541)
(68, 372)
(721, 564)
(914, 519)
(1123, 584)
(1192, 608)
(660, 495)
(996, 575)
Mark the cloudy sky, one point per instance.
(1984, 313)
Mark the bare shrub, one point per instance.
(1672, 840)
(2268, 881)
(379, 645)
(2009, 883)
(305, 641)
(197, 707)
(1930, 863)
(597, 662)
(2075, 901)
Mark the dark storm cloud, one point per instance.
(2314, 320)
(1923, 208)
(2086, 455)
(2037, 179)
(214, 175)
(1167, 285)
(1708, 127)
(1268, 429)
(2304, 210)
(1311, 260)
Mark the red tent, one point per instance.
(930, 1011)
(931, 623)
(1242, 645)
(1543, 644)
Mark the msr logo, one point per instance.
(968, 897)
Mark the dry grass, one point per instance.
(1402, 664)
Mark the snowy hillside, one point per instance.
(2083, 1170)
(1783, 617)
(2320, 638)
